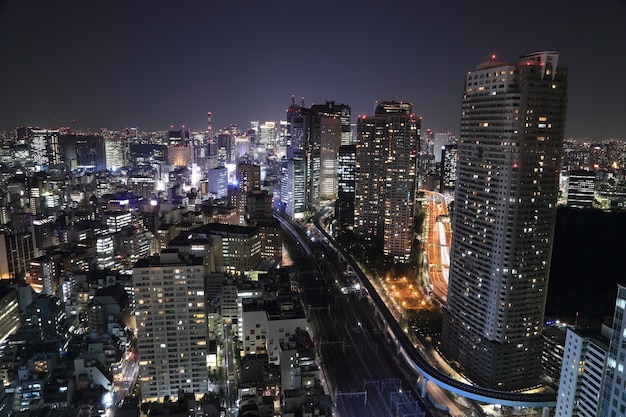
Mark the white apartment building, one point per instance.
(171, 325)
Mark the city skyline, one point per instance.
(159, 64)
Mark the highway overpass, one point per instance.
(419, 365)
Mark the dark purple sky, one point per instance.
(152, 64)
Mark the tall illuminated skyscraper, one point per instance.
(386, 177)
(509, 158)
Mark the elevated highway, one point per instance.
(419, 365)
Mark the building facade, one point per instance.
(386, 177)
(346, 166)
(581, 374)
(171, 325)
(612, 398)
(509, 158)
(581, 189)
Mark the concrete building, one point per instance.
(581, 373)
(9, 312)
(284, 316)
(386, 177)
(217, 182)
(512, 126)
(171, 324)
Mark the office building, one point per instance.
(115, 153)
(509, 158)
(448, 169)
(330, 140)
(17, 248)
(303, 159)
(343, 112)
(44, 148)
(217, 182)
(267, 135)
(386, 177)
(581, 189)
(248, 177)
(439, 141)
(225, 247)
(293, 186)
(171, 325)
(82, 152)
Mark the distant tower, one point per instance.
(581, 188)
(209, 116)
(448, 168)
(509, 158)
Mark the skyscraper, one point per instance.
(448, 168)
(339, 111)
(330, 140)
(344, 206)
(386, 177)
(313, 136)
(300, 189)
(509, 158)
(171, 324)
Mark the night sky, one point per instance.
(152, 64)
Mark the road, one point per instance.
(438, 241)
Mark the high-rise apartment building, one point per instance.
(171, 324)
(612, 398)
(386, 177)
(344, 206)
(581, 373)
(509, 158)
